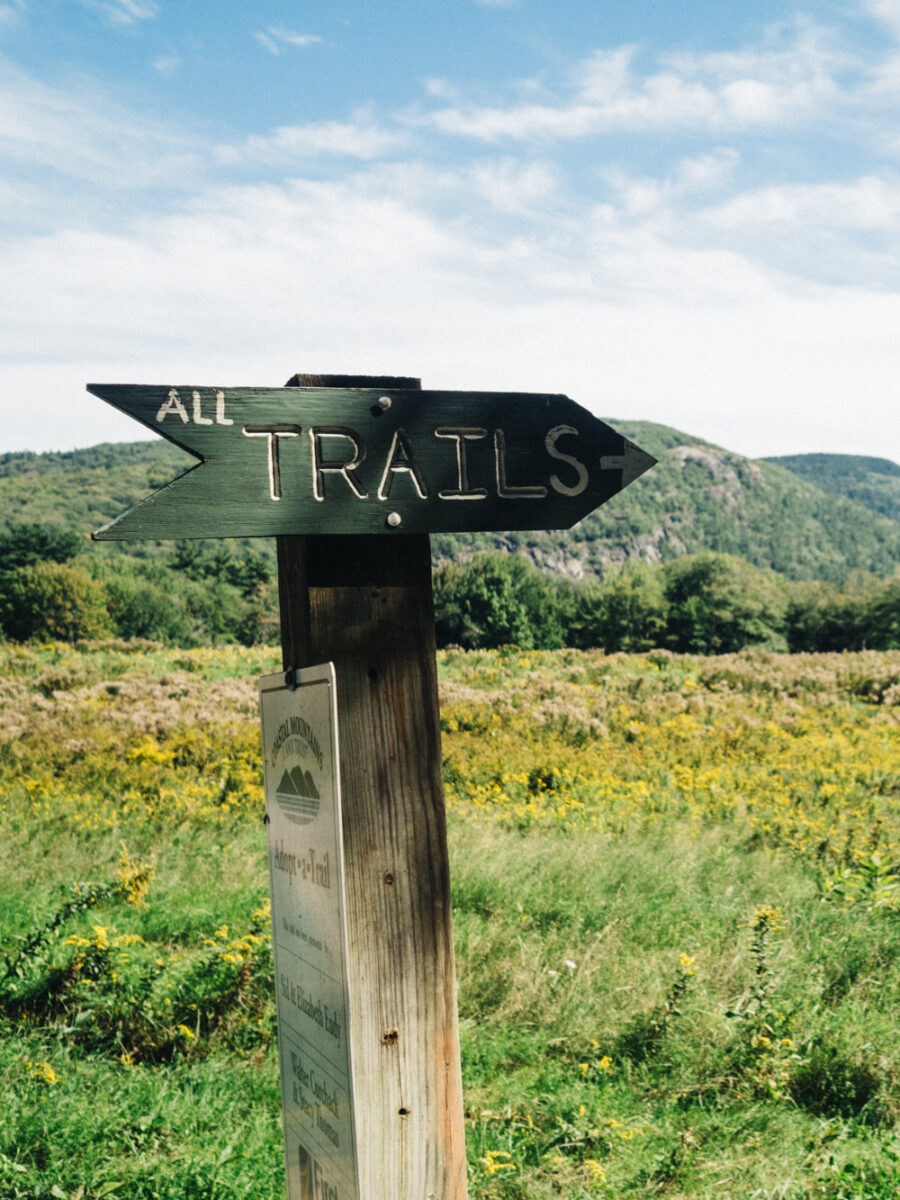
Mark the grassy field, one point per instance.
(676, 887)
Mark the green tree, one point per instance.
(204, 600)
(24, 543)
(495, 600)
(862, 615)
(142, 607)
(248, 573)
(625, 611)
(217, 610)
(821, 618)
(54, 601)
(884, 616)
(719, 604)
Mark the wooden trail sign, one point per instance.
(385, 460)
(353, 456)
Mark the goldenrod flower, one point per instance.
(492, 1164)
(594, 1170)
(42, 1071)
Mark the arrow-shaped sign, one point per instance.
(307, 460)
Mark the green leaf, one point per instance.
(107, 1189)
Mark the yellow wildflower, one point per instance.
(492, 1164)
(594, 1171)
(42, 1071)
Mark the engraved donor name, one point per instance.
(326, 1018)
(336, 457)
(311, 1094)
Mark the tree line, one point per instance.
(697, 604)
(51, 589)
(707, 603)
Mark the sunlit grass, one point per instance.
(676, 906)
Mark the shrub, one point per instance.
(53, 601)
(496, 600)
(626, 611)
(719, 604)
(832, 1082)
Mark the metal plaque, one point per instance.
(303, 814)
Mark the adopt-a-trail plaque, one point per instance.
(305, 844)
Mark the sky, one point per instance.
(678, 212)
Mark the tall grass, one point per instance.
(675, 886)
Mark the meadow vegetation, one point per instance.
(676, 889)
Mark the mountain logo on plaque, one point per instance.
(297, 796)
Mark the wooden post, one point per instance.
(365, 604)
(361, 599)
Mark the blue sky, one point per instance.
(687, 213)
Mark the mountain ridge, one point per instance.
(872, 482)
(698, 497)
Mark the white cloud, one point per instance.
(362, 275)
(883, 82)
(753, 315)
(167, 64)
(123, 12)
(275, 39)
(709, 171)
(510, 186)
(885, 11)
(866, 204)
(361, 138)
(840, 233)
(773, 86)
(11, 11)
(664, 198)
(87, 137)
(518, 123)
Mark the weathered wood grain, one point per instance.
(365, 604)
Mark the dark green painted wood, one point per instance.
(306, 460)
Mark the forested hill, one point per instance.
(698, 497)
(701, 497)
(873, 482)
(83, 489)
